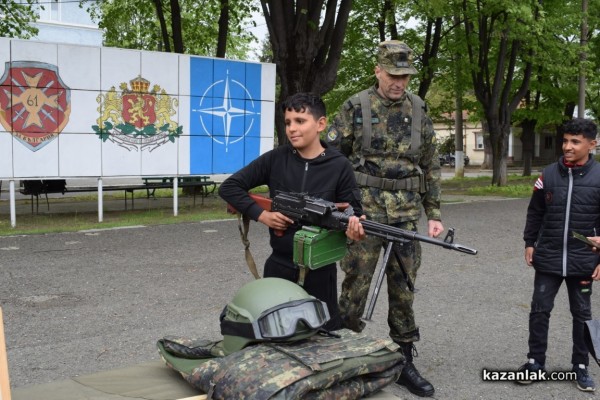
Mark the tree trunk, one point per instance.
(569, 112)
(493, 80)
(307, 47)
(176, 27)
(528, 141)
(223, 29)
(499, 141)
(163, 25)
(459, 164)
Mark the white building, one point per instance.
(472, 138)
(63, 21)
(473, 144)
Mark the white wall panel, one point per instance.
(268, 82)
(79, 66)
(184, 75)
(161, 69)
(24, 50)
(183, 142)
(161, 160)
(118, 66)
(70, 148)
(81, 122)
(267, 128)
(118, 160)
(43, 163)
(6, 157)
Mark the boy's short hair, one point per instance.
(305, 102)
(581, 126)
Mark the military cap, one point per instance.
(395, 58)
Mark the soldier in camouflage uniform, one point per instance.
(397, 168)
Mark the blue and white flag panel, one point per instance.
(80, 111)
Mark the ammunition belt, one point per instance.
(411, 184)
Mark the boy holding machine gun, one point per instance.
(304, 165)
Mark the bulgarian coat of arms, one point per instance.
(35, 104)
(137, 118)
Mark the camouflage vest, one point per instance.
(415, 183)
(346, 366)
(365, 105)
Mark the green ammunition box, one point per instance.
(315, 247)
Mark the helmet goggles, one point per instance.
(280, 322)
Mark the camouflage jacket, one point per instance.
(350, 366)
(388, 158)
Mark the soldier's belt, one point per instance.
(412, 184)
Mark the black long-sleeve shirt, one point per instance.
(329, 176)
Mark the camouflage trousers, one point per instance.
(360, 264)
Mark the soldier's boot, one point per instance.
(410, 377)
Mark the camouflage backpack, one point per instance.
(343, 365)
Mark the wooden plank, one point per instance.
(4, 381)
(199, 397)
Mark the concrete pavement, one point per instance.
(77, 303)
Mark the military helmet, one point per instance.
(395, 58)
(270, 309)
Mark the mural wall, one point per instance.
(81, 111)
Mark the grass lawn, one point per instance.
(213, 208)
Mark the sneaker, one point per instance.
(533, 371)
(584, 381)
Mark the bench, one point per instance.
(39, 187)
(109, 188)
(42, 187)
(202, 183)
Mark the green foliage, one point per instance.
(357, 63)
(16, 18)
(518, 191)
(447, 146)
(134, 24)
(517, 186)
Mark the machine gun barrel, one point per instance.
(392, 233)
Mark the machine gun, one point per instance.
(306, 210)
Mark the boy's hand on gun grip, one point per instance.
(275, 220)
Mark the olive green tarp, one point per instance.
(148, 381)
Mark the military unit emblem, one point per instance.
(137, 118)
(34, 102)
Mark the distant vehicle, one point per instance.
(449, 159)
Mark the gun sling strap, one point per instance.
(244, 228)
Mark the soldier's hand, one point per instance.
(434, 228)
